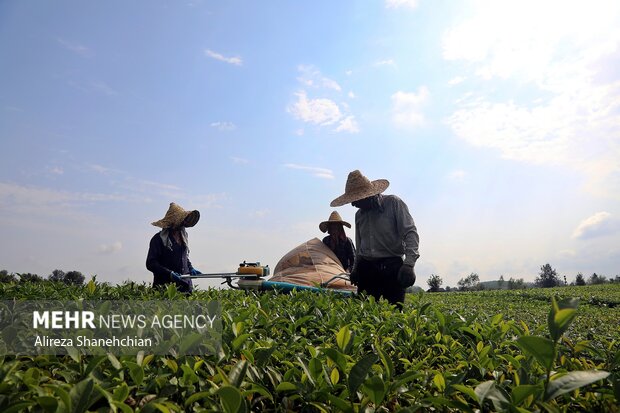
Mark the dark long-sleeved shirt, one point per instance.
(161, 260)
(386, 230)
(344, 250)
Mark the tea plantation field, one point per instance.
(513, 351)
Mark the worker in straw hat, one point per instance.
(338, 241)
(386, 238)
(168, 255)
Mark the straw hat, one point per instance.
(178, 217)
(359, 187)
(334, 218)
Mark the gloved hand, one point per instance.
(194, 271)
(354, 276)
(175, 276)
(406, 276)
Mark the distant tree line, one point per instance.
(71, 277)
(547, 277)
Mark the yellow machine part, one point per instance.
(250, 270)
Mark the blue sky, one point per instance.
(498, 123)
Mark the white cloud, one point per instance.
(456, 80)
(351, 95)
(561, 54)
(386, 62)
(110, 248)
(99, 169)
(240, 161)
(457, 175)
(36, 204)
(597, 225)
(76, 48)
(103, 88)
(320, 111)
(407, 107)
(394, 4)
(318, 172)
(348, 124)
(237, 61)
(96, 86)
(224, 126)
(57, 170)
(310, 76)
(261, 213)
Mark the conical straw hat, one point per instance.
(359, 187)
(178, 217)
(334, 217)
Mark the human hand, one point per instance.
(354, 277)
(194, 271)
(406, 276)
(175, 276)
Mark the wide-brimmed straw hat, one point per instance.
(334, 218)
(359, 187)
(178, 217)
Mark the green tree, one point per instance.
(516, 284)
(500, 282)
(434, 282)
(597, 279)
(469, 283)
(74, 277)
(28, 277)
(579, 280)
(57, 275)
(5, 277)
(547, 277)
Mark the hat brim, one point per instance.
(376, 187)
(189, 220)
(323, 225)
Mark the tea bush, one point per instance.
(514, 351)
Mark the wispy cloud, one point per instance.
(102, 170)
(224, 126)
(394, 4)
(96, 86)
(457, 175)
(138, 188)
(407, 107)
(261, 213)
(310, 76)
(456, 80)
(236, 60)
(108, 249)
(318, 172)
(348, 124)
(205, 201)
(104, 88)
(597, 225)
(56, 170)
(76, 48)
(239, 161)
(386, 62)
(50, 205)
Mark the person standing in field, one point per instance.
(338, 241)
(168, 255)
(386, 238)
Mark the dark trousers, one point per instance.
(379, 278)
